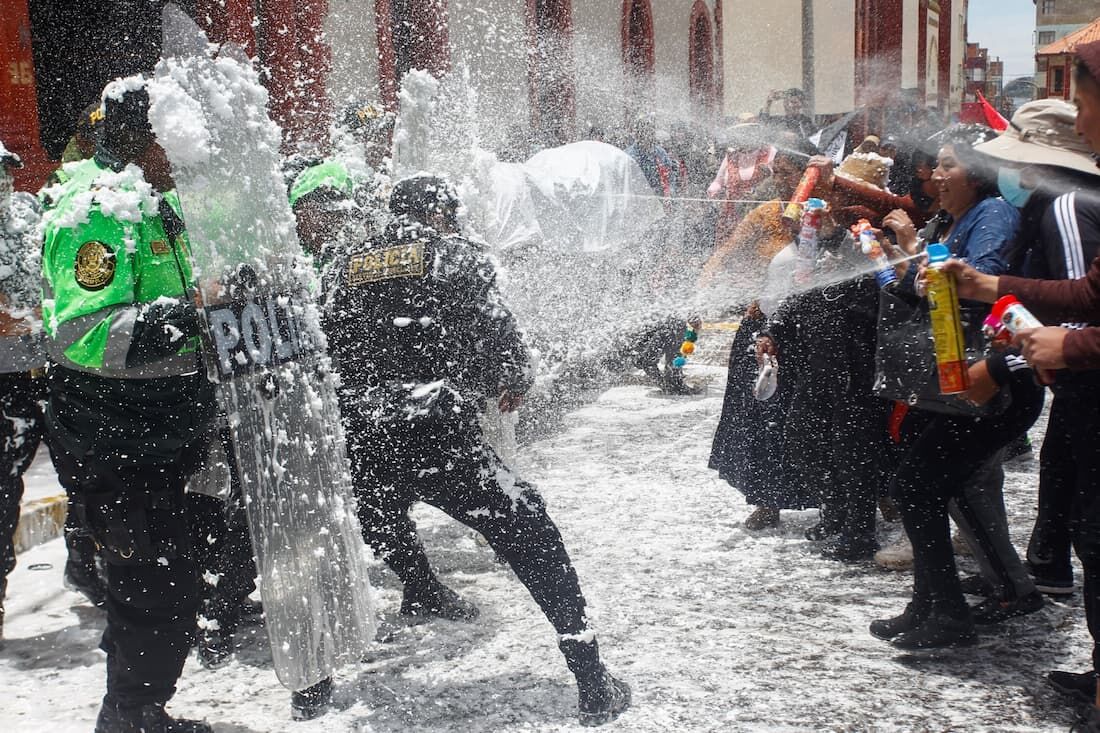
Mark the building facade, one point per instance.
(1054, 20)
(1055, 61)
(555, 67)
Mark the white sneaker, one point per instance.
(898, 556)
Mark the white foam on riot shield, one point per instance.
(267, 355)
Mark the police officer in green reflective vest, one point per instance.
(130, 410)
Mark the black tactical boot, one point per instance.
(81, 574)
(601, 699)
(312, 702)
(145, 719)
(436, 600)
(600, 696)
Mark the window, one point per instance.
(1046, 37)
(1047, 7)
(1042, 63)
(1058, 86)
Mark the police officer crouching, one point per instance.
(421, 339)
(130, 410)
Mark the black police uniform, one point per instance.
(421, 339)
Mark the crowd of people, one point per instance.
(104, 363)
(1018, 212)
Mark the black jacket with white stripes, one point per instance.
(1058, 240)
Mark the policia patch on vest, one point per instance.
(406, 260)
(95, 265)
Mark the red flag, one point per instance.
(993, 118)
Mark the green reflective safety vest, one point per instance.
(105, 250)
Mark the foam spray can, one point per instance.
(1013, 315)
(793, 212)
(870, 246)
(806, 249)
(947, 330)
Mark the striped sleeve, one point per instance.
(1069, 231)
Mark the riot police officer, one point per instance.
(130, 410)
(421, 338)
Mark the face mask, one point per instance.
(1008, 181)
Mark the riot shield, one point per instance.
(264, 349)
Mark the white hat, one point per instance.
(1042, 133)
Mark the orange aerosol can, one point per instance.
(793, 212)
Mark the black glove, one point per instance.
(162, 329)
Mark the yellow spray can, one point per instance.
(947, 329)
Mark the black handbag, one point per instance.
(905, 359)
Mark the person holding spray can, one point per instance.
(751, 433)
(951, 462)
(824, 338)
(1049, 171)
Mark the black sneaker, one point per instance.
(888, 628)
(83, 578)
(995, 611)
(439, 602)
(601, 699)
(312, 702)
(1053, 586)
(976, 585)
(145, 719)
(849, 549)
(937, 631)
(1081, 686)
(1088, 721)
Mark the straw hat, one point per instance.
(866, 167)
(1042, 133)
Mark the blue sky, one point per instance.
(1006, 28)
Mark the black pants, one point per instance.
(944, 453)
(1069, 495)
(20, 434)
(454, 471)
(1062, 467)
(151, 601)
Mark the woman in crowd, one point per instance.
(748, 446)
(954, 457)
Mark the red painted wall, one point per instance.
(701, 76)
(551, 70)
(18, 101)
(428, 47)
